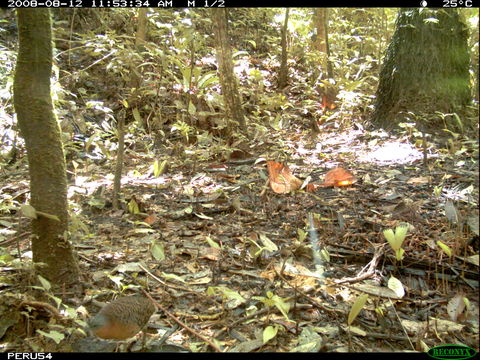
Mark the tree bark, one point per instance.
(321, 41)
(140, 36)
(283, 73)
(425, 71)
(39, 128)
(228, 80)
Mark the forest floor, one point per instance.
(219, 250)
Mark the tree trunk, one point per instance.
(425, 70)
(142, 28)
(321, 40)
(136, 77)
(228, 81)
(283, 73)
(39, 128)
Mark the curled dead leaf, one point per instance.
(282, 181)
(338, 177)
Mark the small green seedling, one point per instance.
(396, 239)
(274, 300)
(356, 307)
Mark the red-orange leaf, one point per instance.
(281, 179)
(339, 177)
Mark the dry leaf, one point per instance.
(150, 219)
(281, 179)
(338, 177)
(418, 180)
(455, 306)
(210, 253)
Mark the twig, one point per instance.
(372, 265)
(178, 321)
(403, 328)
(43, 305)
(15, 238)
(160, 281)
(309, 298)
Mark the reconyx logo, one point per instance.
(447, 352)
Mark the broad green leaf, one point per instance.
(136, 115)
(54, 335)
(159, 168)
(390, 236)
(57, 300)
(157, 251)
(49, 216)
(78, 224)
(133, 207)
(230, 294)
(269, 245)
(400, 233)
(302, 235)
(207, 79)
(28, 211)
(269, 333)
(356, 307)
(281, 305)
(458, 120)
(45, 283)
(445, 248)
(225, 292)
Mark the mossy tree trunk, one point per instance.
(39, 128)
(425, 69)
(228, 80)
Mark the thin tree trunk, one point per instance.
(228, 80)
(283, 73)
(39, 128)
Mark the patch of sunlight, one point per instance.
(393, 153)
